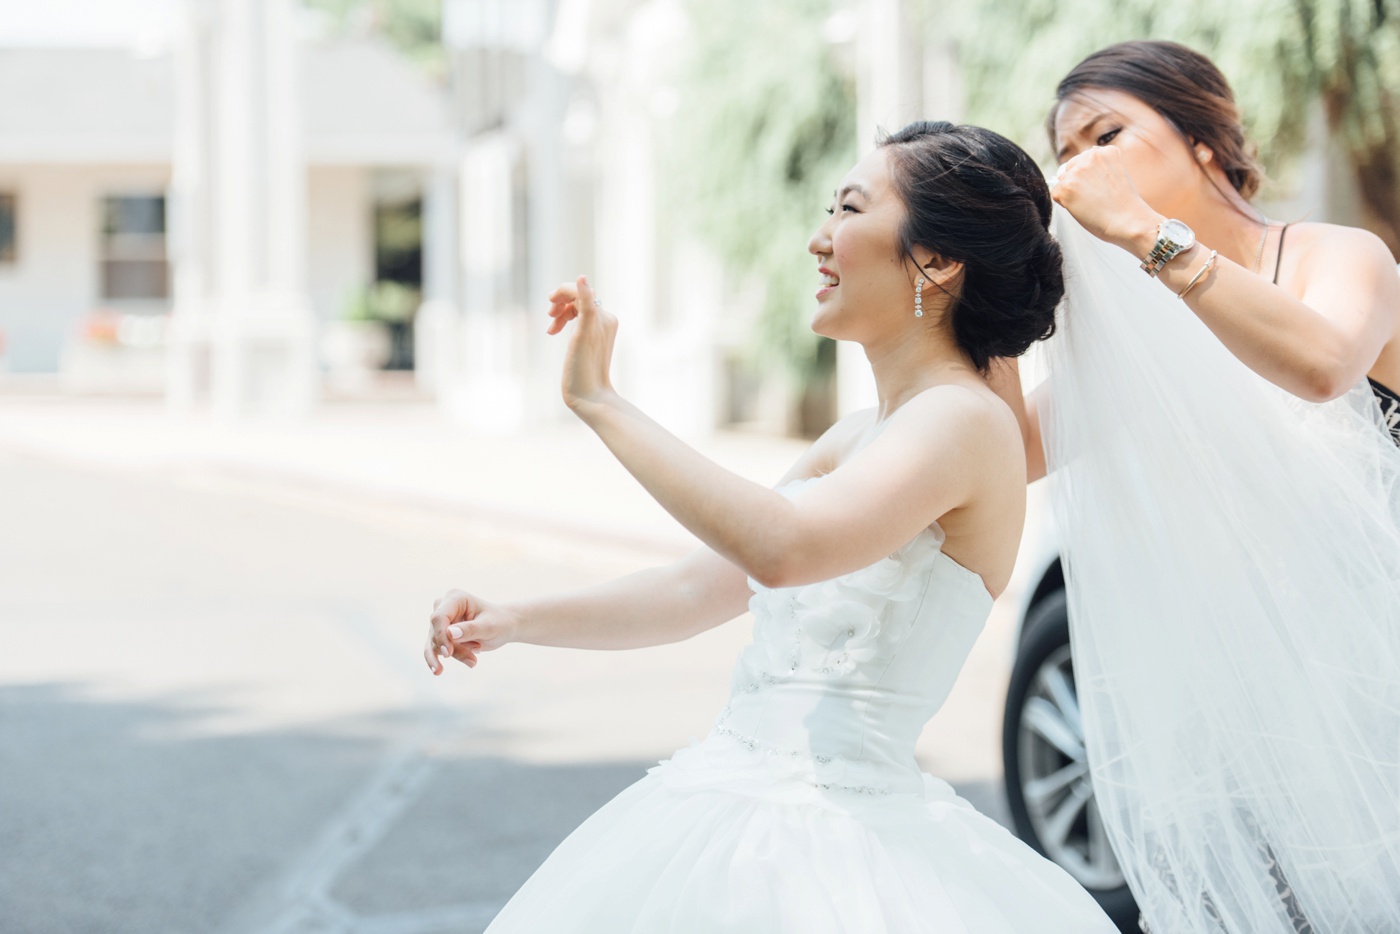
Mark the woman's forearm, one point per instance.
(747, 523)
(1316, 341)
(1278, 336)
(655, 606)
(1005, 380)
(1036, 467)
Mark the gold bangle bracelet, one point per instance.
(1200, 273)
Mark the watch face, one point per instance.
(1178, 233)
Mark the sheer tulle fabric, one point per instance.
(1233, 557)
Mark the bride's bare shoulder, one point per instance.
(973, 402)
(966, 420)
(962, 406)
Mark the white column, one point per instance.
(942, 80)
(437, 325)
(889, 57)
(663, 288)
(625, 231)
(284, 230)
(187, 213)
(242, 179)
(487, 388)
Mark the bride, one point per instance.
(1228, 498)
(869, 571)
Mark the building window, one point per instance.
(8, 253)
(398, 260)
(398, 242)
(134, 263)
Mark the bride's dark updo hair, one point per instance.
(974, 197)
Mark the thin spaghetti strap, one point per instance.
(1278, 260)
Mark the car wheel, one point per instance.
(1047, 774)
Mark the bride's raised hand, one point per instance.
(1095, 187)
(589, 356)
(464, 625)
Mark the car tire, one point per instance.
(1045, 642)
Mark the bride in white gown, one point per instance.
(869, 571)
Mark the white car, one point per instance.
(1047, 776)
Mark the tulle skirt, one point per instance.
(692, 848)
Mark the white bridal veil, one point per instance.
(1233, 558)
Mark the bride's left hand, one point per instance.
(1095, 187)
(589, 357)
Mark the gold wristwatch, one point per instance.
(1173, 239)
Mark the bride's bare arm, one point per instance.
(651, 607)
(931, 457)
(927, 461)
(655, 606)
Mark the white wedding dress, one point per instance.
(804, 810)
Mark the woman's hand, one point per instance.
(1095, 187)
(590, 350)
(463, 625)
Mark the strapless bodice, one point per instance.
(843, 674)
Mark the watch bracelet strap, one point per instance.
(1159, 257)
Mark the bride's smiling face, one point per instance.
(1158, 160)
(864, 286)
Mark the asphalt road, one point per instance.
(214, 715)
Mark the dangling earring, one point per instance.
(919, 298)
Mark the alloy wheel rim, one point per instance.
(1055, 777)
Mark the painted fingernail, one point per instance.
(455, 631)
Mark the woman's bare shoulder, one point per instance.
(1313, 242)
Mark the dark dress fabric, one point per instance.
(1390, 407)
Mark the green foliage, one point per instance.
(387, 301)
(414, 27)
(1353, 48)
(764, 131)
(1279, 55)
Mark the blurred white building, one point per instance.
(91, 235)
(562, 106)
(156, 159)
(228, 161)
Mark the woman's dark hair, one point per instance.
(976, 198)
(1184, 87)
